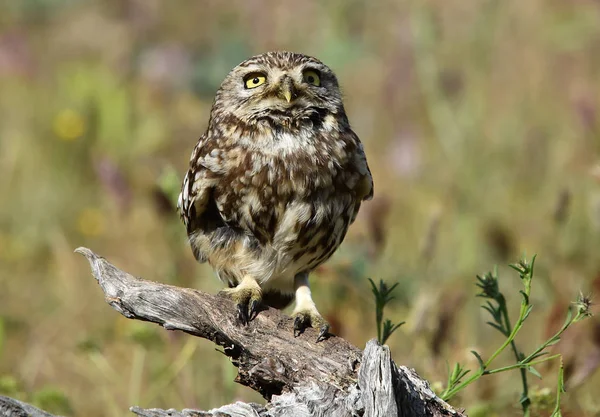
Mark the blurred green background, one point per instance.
(481, 124)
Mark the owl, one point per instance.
(274, 183)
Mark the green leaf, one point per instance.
(500, 329)
(527, 312)
(534, 371)
(392, 288)
(516, 268)
(455, 372)
(569, 316)
(532, 265)
(490, 310)
(553, 341)
(388, 329)
(495, 312)
(524, 399)
(373, 287)
(537, 355)
(481, 364)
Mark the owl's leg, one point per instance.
(247, 295)
(305, 313)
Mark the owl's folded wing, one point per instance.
(195, 200)
(364, 185)
(358, 176)
(364, 188)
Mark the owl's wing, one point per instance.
(361, 180)
(196, 205)
(363, 187)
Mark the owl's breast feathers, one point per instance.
(302, 190)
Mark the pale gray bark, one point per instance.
(297, 376)
(9, 407)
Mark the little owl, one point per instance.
(274, 183)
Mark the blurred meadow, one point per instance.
(481, 123)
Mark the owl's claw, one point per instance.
(298, 326)
(242, 312)
(254, 309)
(247, 296)
(323, 332)
(309, 318)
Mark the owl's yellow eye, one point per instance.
(254, 80)
(312, 77)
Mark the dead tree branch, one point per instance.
(297, 376)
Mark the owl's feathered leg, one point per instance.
(247, 295)
(305, 313)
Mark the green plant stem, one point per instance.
(378, 319)
(525, 394)
(554, 338)
(501, 322)
(515, 330)
(522, 365)
(560, 388)
(508, 341)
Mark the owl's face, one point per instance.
(278, 88)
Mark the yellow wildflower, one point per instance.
(69, 125)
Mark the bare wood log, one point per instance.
(297, 376)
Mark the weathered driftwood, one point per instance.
(297, 376)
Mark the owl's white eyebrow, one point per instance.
(254, 70)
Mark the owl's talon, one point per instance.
(242, 310)
(310, 318)
(299, 326)
(254, 309)
(247, 296)
(323, 333)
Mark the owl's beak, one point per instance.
(286, 89)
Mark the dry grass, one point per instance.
(481, 124)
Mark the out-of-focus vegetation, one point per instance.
(481, 122)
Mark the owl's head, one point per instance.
(279, 88)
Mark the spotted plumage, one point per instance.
(274, 182)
